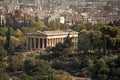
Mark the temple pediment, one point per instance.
(39, 33)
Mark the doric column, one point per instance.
(59, 40)
(34, 41)
(62, 40)
(27, 43)
(43, 43)
(47, 42)
(38, 43)
(55, 41)
(76, 40)
(51, 42)
(73, 40)
(30, 43)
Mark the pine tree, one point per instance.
(7, 41)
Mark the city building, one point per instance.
(2, 20)
(62, 20)
(40, 40)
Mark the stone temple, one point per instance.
(40, 40)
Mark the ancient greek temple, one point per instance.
(42, 39)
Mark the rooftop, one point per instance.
(54, 32)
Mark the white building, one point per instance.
(2, 20)
(62, 20)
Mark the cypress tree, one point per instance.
(7, 41)
(104, 45)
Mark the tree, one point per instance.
(110, 34)
(3, 74)
(3, 53)
(15, 63)
(53, 25)
(36, 18)
(83, 41)
(78, 26)
(58, 50)
(63, 48)
(7, 41)
(38, 69)
(68, 44)
(2, 41)
(95, 41)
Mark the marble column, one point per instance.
(51, 42)
(34, 40)
(27, 43)
(46, 42)
(38, 43)
(55, 41)
(73, 40)
(76, 41)
(59, 40)
(30, 43)
(62, 40)
(43, 43)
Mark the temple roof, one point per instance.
(54, 32)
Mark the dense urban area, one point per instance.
(95, 54)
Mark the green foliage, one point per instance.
(37, 24)
(37, 70)
(7, 41)
(83, 41)
(68, 42)
(36, 67)
(78, 26)
(110, 36)
(63, 48)
(3, 53)
(3, 30)
(56, 25)
(4, 76)
(15, 63)
(2, 41)
(58, 50)
(109, 30)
